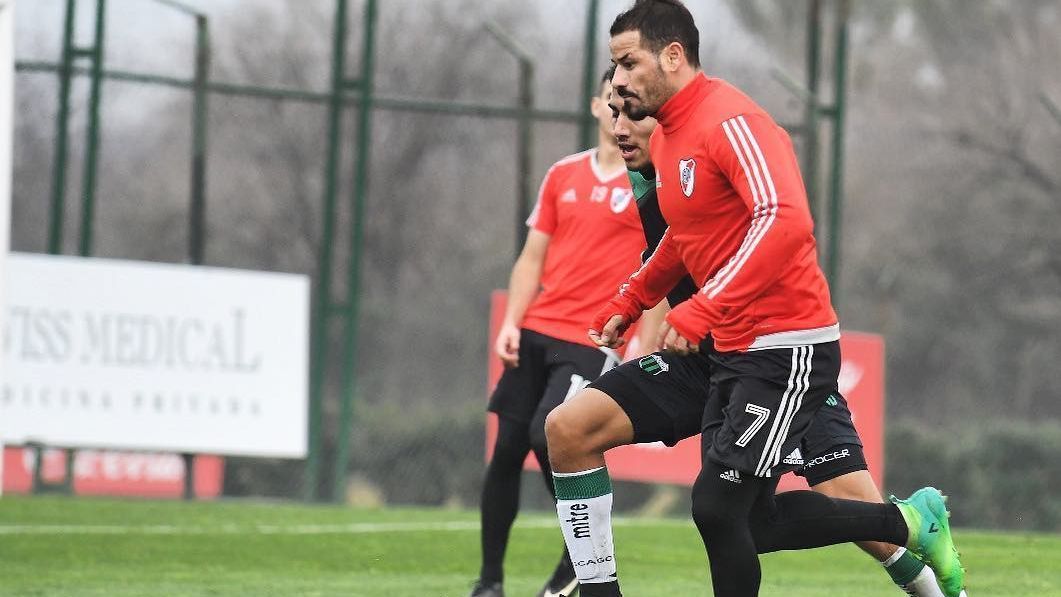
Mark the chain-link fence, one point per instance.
(947, 237)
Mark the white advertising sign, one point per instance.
(146, 356)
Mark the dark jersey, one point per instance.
(654, 225)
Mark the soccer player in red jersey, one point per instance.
(831, 450)
(758, 344)
(584, 238)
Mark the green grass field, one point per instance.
(62, 546)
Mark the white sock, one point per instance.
(922, 585)
(584, 507)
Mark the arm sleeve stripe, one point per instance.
(758, 207)
(740, 135)
(759, 154)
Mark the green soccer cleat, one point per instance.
(925, 512)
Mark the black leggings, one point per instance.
(738, 520)
(499, 503)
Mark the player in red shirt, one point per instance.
(831, 450)
(584, 238)
(757, 346)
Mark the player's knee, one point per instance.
(584, 426)
(712, 510)
(703, 514)
(561, 431)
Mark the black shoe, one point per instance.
(562, 584)
(487, 589)
(604, 589)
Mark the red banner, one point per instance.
(861, 382)
(114, 473)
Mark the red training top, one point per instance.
(596, 241)
(730, 189)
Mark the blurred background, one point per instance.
(944, 235)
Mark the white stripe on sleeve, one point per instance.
(764, 195)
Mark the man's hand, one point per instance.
(612, 320)
(507, 345)
(609, 334)
(671, 341)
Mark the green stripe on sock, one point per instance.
(905, 569)
(584, 486)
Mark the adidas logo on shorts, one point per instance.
(795, 458)
(731, 475)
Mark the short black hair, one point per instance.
(661, 22)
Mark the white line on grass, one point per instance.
(357, 528)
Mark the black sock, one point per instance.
(805, 519)
(500, 498)
(564, 568)
(600, 589)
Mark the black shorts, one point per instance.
(762, 404)
(549, 372)
(831, 447)
(665, 395)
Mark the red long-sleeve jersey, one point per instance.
(730, 189)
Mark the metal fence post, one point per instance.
(525, 141)
(353, 301)
(88, 181)
(197, 211)
(589, 76)
(524, 131)
(55, 228)
(197, 199)
(811, 107)
(197, 204)
(322, 303)
(836, 190)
